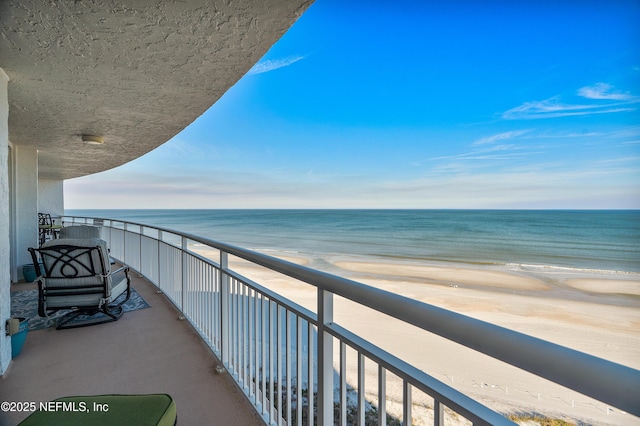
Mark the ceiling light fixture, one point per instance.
(93, 139)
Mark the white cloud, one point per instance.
(496, 152)
(598, 186)
(550, 108)
(609, 183)
(274, 64)
(500, 137)
(604, 91)
(489, 149)
(553, 108)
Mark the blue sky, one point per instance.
(411, 104)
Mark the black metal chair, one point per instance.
(77, 275)
(47, 228)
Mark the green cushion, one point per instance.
(107, 410)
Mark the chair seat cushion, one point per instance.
(118, 286)
(107, 410)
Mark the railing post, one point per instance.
(325, 359)
(159, 244)
(141, 229)
(438, 413)
(408, 403)
(185, 275)
(124, 244)
(382, 396)
(224, 308)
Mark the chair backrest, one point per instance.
(44, 219)
(74, 262)
(80, 231)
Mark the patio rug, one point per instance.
(24, 304)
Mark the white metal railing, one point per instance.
(282, 355)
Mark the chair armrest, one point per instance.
(120, 274)
(120, 269)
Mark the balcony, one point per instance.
(146, 351)
(279, 352)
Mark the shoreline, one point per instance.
(610, 287)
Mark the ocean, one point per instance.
(592, 240)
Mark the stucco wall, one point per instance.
(51, 197)
(5, 281)
(26, 203)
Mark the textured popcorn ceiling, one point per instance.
(133, 71)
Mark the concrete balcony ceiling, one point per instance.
(135, 72)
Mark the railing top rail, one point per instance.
(606, 381)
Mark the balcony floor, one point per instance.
(146, 351)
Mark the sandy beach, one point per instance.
(593, 312)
